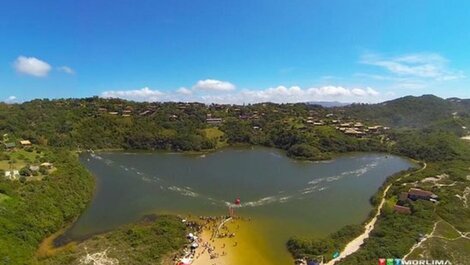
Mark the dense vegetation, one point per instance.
(147, 242)
(32, 210)
(37, 209)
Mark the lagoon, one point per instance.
(283, 197)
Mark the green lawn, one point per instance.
(21, 157)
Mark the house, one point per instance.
(402, 209)
(47, 165)
(354, 132)
(358, 125)
(113, 113)
(419, 194)
(12, 175)
(25, 143)
(214, 120)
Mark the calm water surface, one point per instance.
(284, 197)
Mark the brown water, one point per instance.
(282, 196)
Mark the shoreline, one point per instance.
(355, 244)
(224, 258)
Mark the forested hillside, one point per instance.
(425, 128)
(413, 112)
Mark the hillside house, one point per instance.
(402, 209)
(419, 194)
(25, 143)
(354, 132)
(47, 165)
(12, 174)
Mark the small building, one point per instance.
(47, 165)
(354, 132)
(25, 143)
(12, 174)
(358, 125)
(113, 113)
(402, 209)
(419, 194)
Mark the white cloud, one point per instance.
(214, 85)
(184, 91)
(10, 99)
(66, 69)
(31, 66)
(282, 94)
(430, 66)
(143, 94)
(279, 94)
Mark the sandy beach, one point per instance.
(230, 242)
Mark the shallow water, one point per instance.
(284, 197)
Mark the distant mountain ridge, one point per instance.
(328, 104)
(415, 111)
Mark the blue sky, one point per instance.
(234, 51)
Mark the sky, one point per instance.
(240, 51)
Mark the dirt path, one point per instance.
(356, 243)
(417, 245)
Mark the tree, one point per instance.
(25, 171)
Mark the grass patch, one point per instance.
(3, 197)
(444, 229)
(216, 134)
(457, 251)
(21, 158)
